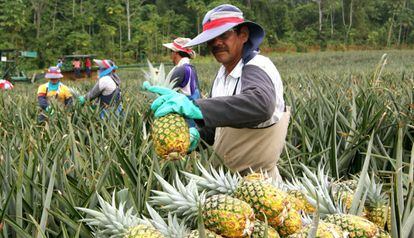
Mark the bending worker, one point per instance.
(245, 117)
(107, 89)
(53, 90)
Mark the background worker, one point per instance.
(52, 90)
(107, 88)
(76, 63)
(245, 119)
(183, 72)
(88, 67)
(5, 84)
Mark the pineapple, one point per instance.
(356, 226)
(222, 214)
(324, 230)
(209, 234)
(114, 222)
(170, 133)
(171, 136)
(143, 231)
(260, 229)
(377, 204)
(383, 234)
(265, 199)
(319, 190)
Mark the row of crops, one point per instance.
(351, 112)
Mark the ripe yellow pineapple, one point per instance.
(324, 230)
(222, 214)
(378, 210)
(171, 136)
(319, 187)
(300, 203)
(143, 231)
(357, 227)
(291, 224)
(209, 234)
(170, 133)
(262, 196)
(260, 229)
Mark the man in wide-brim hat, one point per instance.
(245, 117)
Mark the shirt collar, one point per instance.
(183, 61)
(235, 73)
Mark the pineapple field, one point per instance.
(347, 166)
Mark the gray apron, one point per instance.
(252, 149)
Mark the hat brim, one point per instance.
(170, 46)
(53, 76)
(256, 33)
(101, 64)
(173, 48)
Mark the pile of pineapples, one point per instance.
(224, 204)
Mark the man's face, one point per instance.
(227, 48)
(54, 81)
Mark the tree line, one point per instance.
(132, 30)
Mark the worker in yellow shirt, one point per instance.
(52, 90)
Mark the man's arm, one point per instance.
(179, 76)
(207, 134)
(94, 92)
(254, 105)
(43, 103)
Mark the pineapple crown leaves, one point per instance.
(172, 228)
(375, 196)
(111, 221)
(157, 77)
(317, 188)
(184, 201)
(215, 181)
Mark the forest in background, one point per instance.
(129, 31)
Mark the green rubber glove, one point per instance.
(194, 138)
(81, 100)
(156, 89)
(176, 103)
(49, 110)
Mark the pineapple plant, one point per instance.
(222, 214)
(170, 133)
(266, 200)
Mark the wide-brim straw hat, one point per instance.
(178, 45)
(223, 18)
(53, 73)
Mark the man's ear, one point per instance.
(244, 33)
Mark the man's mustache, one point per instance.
(218, 49)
